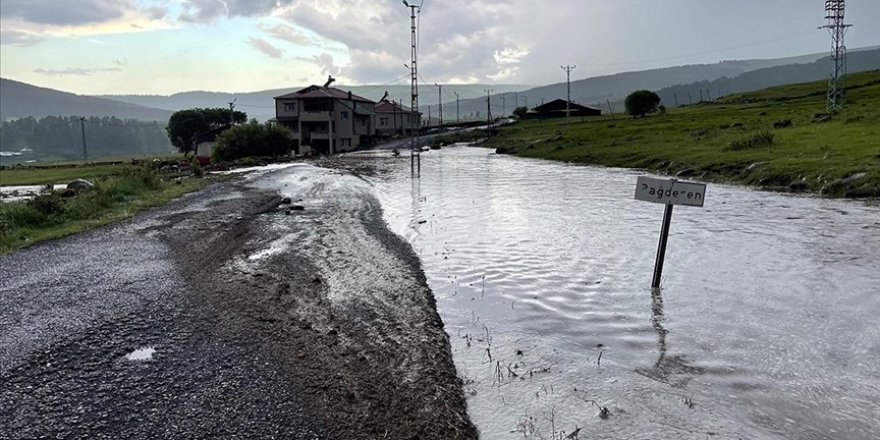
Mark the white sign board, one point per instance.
(670, 192)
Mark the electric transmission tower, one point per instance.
(568, 70)
(834, 22)
(414, 149)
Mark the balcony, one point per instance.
(314, 116)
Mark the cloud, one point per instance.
(287, 33)
(264, 47)
(66, 12)
(326, 64)
(202, 11)
(17, 38)
(76, 71)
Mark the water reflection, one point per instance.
(768, 322)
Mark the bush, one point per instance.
(253, 140)
(757, 140)
(641, 103)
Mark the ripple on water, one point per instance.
(765, 328)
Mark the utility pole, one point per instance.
(610, 108)
(568, 70)
(429, 115)
(676, 100)
(690, 100)
(457, 114)
(440, 101)
(489, 109)
(503, 105)
(82, 126)
(834, 21)
(232, 112)
(414, 151)
(394, 115)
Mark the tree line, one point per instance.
(61, 137)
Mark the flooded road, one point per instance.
(766, 327)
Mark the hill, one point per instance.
(778, 138)
(260, 104)
(19, 100)
(768, 77)
(614, 88)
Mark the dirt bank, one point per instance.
(336, 298)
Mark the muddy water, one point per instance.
(766, 327)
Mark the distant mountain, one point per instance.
(859, 61)
(18, 100)
(614, 88)
(261, 104)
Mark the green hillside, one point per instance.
(737, 139)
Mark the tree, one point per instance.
(641, 103)
(253, 140)
(185, 126)
(520, 112)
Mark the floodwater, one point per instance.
(766, 326)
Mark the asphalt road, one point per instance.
(227, 315)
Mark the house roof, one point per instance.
(323, 92)
(386, 106)
(559, 104)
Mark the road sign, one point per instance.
(670, 192)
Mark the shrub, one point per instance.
(641, 103)
(253, 140)
(756, 140)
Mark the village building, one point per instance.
(557, 109)
(394, 119)
(205, 141)
(325, 120)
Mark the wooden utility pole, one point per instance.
(440, 101)
(568, 70)
(82, 126)
(457, 114)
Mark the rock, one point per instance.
(821, 117)
(853, 178)
(785, 123)
(686, 172)
(754, 166)
(69, 192)
(798, 186)
(285, 201)
(502, 150)
(298, 207)
(80, 185)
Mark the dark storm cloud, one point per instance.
(66, 12)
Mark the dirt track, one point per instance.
(266, 324)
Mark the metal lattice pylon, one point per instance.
(834, 22)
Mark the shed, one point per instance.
(557, 109)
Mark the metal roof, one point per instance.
(324, 93)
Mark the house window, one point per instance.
(383, 122)
(290, 106)
(344, 115)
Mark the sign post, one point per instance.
(670, 193)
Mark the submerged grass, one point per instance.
(113, 198)
(732, 140)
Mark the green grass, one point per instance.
(67, 171)
(48, 216)
(733, 140)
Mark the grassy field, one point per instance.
(737, 139)
(129, 190)
(67, 171)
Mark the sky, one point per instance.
(168, 46)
